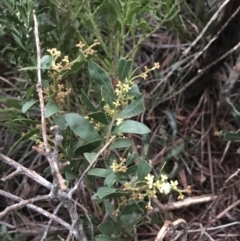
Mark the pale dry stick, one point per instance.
(13, 174)
(39, 210)
(220, 215)
(31, 174)
(21, 204)
(202, 71)
(214, 228)
(184, 203)
(93, 162)
(233, 175)
(50, 221)
(214, 17)
(225, 152)
(58, 180)
(39, 179)
(216, 36)
(173, 225)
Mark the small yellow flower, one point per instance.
(156, 65)
(165, 188)
(149, 179)
(144, 76)
(114, 166)
(80, 45)
(181, 196)
(174, 184)
(163, 177)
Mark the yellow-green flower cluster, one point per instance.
(144, 75)
(89, 50)
(97, 125)
(152, 187)
(121, 91)
(119, 166)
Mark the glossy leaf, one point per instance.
(90, 156)
(105, 191)
(51, 108)
(100, 117)
(120, 143)
(99, 172)
(135, 108)
(123, 69)
(28, 105)
(109, 228)
(60, 121)
(87, 101)
(81, 127)
(130, 126)
(143, 169)
(175, 152)
(45, 61)
(79, 148)
(100, 77)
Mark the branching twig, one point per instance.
(71, 192)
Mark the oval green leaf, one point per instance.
(130, 126)
(81, 127)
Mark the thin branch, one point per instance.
(21, 204)
(39, 210)
(13, 174)
(71, 192)
(50, 221)
(32, 174)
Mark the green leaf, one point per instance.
(87, 101)
(173, 124)
(143, 170)
(111, 179)
(124, 67)
(60, 121)
(105, 191)
(81, 127)
(134, 91)
(107, 97)
(131, 157)
(90, 156)
(100, 117)
(130, 126)
(109, 228)
(23, 138)
(70, 175)
(100, 77)
(51, 108)
(110, 208)
(230, 136)
(135, 108)
(79, 148)
(46, 61)
(99, 172)
(28, 105)
(174, 152)
(155, 218)
(120, 143)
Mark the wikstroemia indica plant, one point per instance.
(128, 186)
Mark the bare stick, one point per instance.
(50, 221)
(216, 14)
(71, 192)
(13, 174)
(32, 174)
(39, 210)
(58, 180)
(21, 204)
